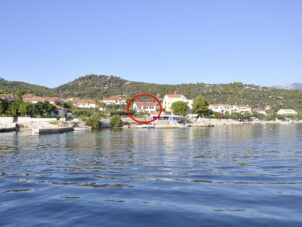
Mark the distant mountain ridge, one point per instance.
(99, 86)
(292, 86)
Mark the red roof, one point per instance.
(174, 96)
(142, 103)
(86, 101)
(30, 97)
(242, 106)
(224, 105)
(113, 98)
(50, 99)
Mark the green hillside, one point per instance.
(93, 86)
(22, 87)
(96, 87)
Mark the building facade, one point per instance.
(229, 109)
(287, 112)
(117, 100)
(169, 99)
(141, 106)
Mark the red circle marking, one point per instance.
(143, 95)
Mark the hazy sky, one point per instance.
(51, 42)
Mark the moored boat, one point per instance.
(80, 129)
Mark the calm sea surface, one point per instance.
(221, 176)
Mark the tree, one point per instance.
(116, 121)
(101, 105)
(200, 106)
(43, 108)
(13, 108)
(179, 108)
(67, 105)
(25, 108)
(3, 106)
(94, 121)
(18, 95)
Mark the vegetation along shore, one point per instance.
(101, 101)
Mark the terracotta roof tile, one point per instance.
(113, 98)
(141, 103)
(174, 96)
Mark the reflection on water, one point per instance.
(215, 176)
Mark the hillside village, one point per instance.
(96, 87)
(119, 103)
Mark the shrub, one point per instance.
(94, 121)
(116, 121)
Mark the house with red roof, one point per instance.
(85, 103)
(221, 108)
(117, 100)
(34, 99)
(229, 109)
(242, 109)
(144, 106)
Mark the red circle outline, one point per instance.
(143, 95)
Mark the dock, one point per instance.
(202, 125)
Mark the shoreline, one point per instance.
(52, 124)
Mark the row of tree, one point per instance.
(20, 108)
(200, 107)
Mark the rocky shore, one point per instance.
(30, 124)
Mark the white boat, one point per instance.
(184, 126)
(284, 122)
(80, 129)
(144, 126)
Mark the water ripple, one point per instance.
(221, 176)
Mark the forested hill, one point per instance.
(22, 87)
(93, 86)
(96, 87)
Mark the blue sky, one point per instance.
(52, 42)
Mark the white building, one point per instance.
(221, 108)
(85, 103)
(169, 99)
(287, 112)
(229, 109)
(242, 109)
(141, 106)
(117, 100)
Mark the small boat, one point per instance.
(184, 126)
(80, 129)
(145, 126)
(284, 122)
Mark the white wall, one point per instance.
(42, 119)
(5, 120)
